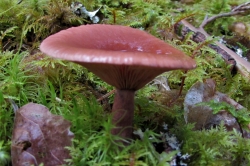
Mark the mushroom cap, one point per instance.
(124, 57)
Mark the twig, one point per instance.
(244, 6)
(241, 9)
(13, 104)
(228, 55)
(194, 54)
(206, 21)
(106, 95)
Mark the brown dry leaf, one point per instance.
(39, 137)
(202, 116)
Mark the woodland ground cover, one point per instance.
(27, 75)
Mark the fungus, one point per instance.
(124, 57)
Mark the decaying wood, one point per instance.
(183, 28)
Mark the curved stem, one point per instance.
(123, 113)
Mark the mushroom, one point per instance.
(124, 57)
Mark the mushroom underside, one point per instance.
(125, 77)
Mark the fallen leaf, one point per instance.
(201, 115)
(39, 137)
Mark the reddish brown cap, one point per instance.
(124, 57)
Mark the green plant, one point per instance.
(14, 82)
(38, 20)
(242, 115)
(103, 148)
(68, 89)
(6, 33)
(4, 154)
(86, 114)
(216, 146)
(6, 118)
(243, 48)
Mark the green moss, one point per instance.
(26, 75)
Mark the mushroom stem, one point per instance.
(123, 113)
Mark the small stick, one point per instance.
(107, 95)
(241, 9)
(13, 104)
